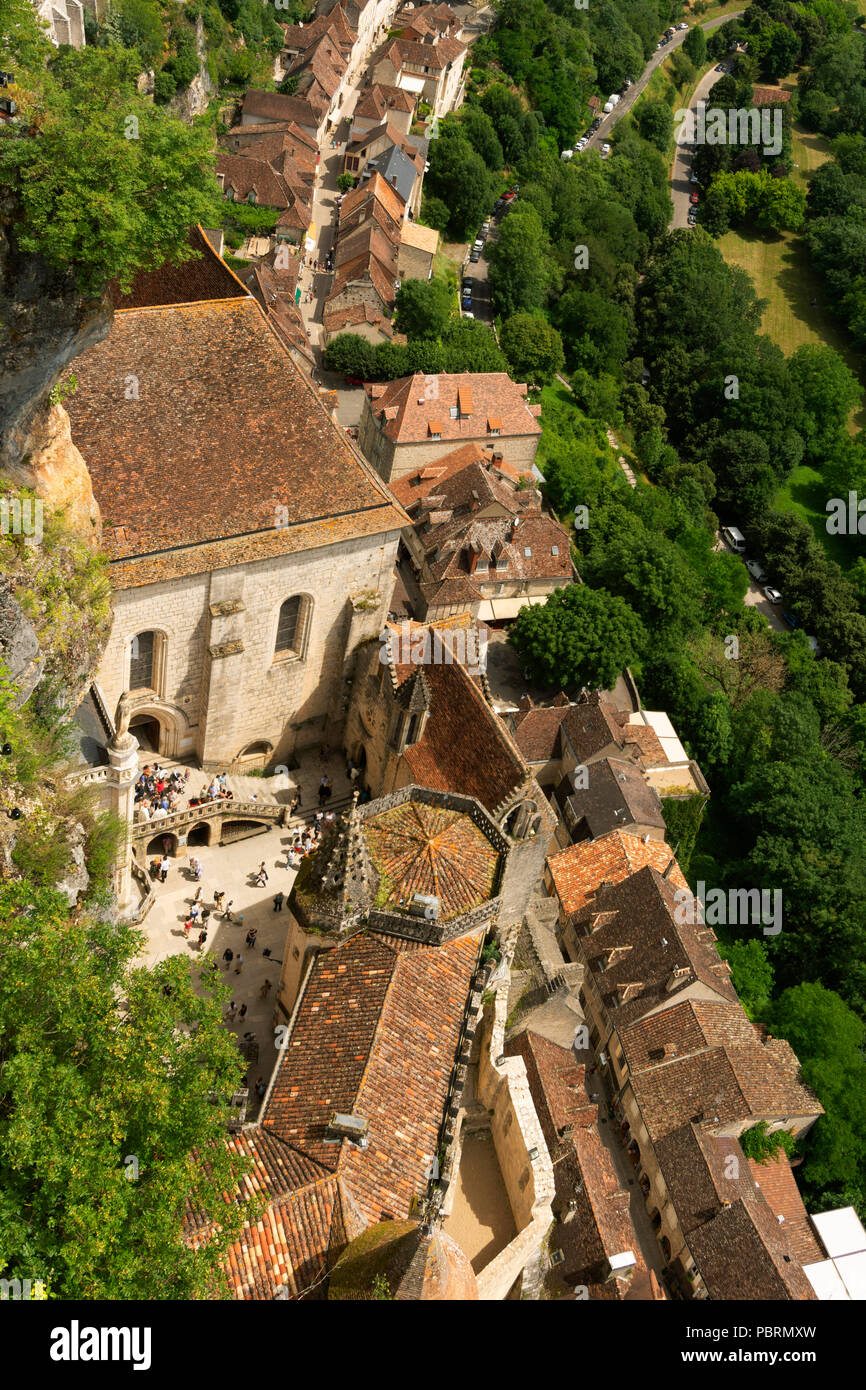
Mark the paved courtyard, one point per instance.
(231, 869)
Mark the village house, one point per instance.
(366, 269)
(677, 1050)
(432, 69)
(378, 104)
(273, 108)
(594, 1244)
(477, 543)
(273, 281)
(406, 424)
(418, 247)
(251, 548)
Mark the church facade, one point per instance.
(251, 546)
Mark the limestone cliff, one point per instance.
(44, 323)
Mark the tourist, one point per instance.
(232, 1010)
(239, 963)
(218, 901)
(198, 893)
(242, 1013)
(187, 927)
(295, 803)
(260, 1088)
(293, 859)
(251, 937)
(265, 989)
(324, 789)
(262, 875)
(164, 868)
(228, 956)
(194, 912)
(278, 902)
(205, 914)
(202, 940)
(227, 915)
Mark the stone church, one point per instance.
(251, 545)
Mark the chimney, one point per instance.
(670, 864)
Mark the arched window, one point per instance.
(292, 627)
(141, 661)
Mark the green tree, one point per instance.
(522, 272)
(695, 45)
(827, 1037)
(580, 636)
(532, 346)
(655, 122)
(89, 196)
(829, 390)
(760, 1145)
(751, 974)
(350, 353)
(423, 308)
(114, 1089)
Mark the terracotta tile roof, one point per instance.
(537, 733)
(742, 1254)
(367, 239)
(356, 271)
(435, 57)
(689, 1026)
(335, 25)
(776, 1182)
(244, 174)
(700, 1087)
(376, 100)
(205, 276)
(464, 747)
(702, 1172)
(765, 96)
(375, 188)
(617, 796)
(385, 131)
(433, 850)
(375, 1035)
(491, 391)
(276, 107)
(420, 238)
(416, 486)
(338, 320)
(636, 920)
(224, 430)
(579, 871)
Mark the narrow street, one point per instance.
(681, 167)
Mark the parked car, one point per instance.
(475, 256)
(683, 25)
(467, 315)
(771, 594)
(693, 178)
(694, 198)
(605, 151)
(734, 538)
(791, 619)
(756, 570)
(720, 67)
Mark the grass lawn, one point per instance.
(805, 493)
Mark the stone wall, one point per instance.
(219, 688)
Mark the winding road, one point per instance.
(625, 105)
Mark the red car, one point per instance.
(693, 198)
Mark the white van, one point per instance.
(607, 108)
(567, 154)
(735, 539)
(614, 98)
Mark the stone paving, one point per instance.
(232, 869)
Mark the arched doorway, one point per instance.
(254, 756)
(148, 731)
(199, 834)
(157, 845)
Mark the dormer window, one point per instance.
(527, 552)
(554, 550)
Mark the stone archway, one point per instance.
(149, 714)
(200, 833)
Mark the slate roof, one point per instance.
(398, 170)
(417, 401)
(224, 425)
(743, 1255)
(578, 871)
(635, 934)
(617, 795)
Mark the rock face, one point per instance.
(44, 323)
(193, 100)
(76, 878)
(19, 646)
(58, 474)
